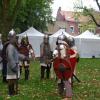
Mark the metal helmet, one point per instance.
(71, 41)
(25, 40)
(46, 36)
(11, 34)
(70, 38)
(61, 37)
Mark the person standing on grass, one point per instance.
(45, 56)
(4, 61)
(62, 67)
(24, 49)
(13, 57)
(74, 56)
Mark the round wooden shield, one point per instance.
(62, 68)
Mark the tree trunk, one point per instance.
(7, 21)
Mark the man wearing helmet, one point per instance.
(45, 56)
(73, 55)
(12, 63)
(62, 66)
(62, 45)
(23, 49)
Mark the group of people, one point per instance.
(63, 60)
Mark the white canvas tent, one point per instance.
(53, 38)
(88, 45)
(35, 39)
(85, 34)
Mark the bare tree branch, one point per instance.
(98, 4)
(92, 17)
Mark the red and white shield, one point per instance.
(62, 68)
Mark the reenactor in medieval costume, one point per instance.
(74, 58)
(4, 61)
(23, 49)
(45, 56)
(13, 57)
(62, 67)
(26, 49)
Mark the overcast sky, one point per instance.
(68, 5)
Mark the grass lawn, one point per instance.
(88, 71)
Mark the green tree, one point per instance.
(8, 13)
(21, 14)
(89, 11)
(36, 13)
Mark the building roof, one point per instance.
(70, 16)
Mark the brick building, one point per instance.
(72, 23)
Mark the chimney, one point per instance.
(58, 13)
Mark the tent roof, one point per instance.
(31, 32)
(87, 35)
(59, 32)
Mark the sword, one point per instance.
(76, 78)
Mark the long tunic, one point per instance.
(45, 54)
(12, 62)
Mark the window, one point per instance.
(80, 29)
(92, 30)
(71, 29)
